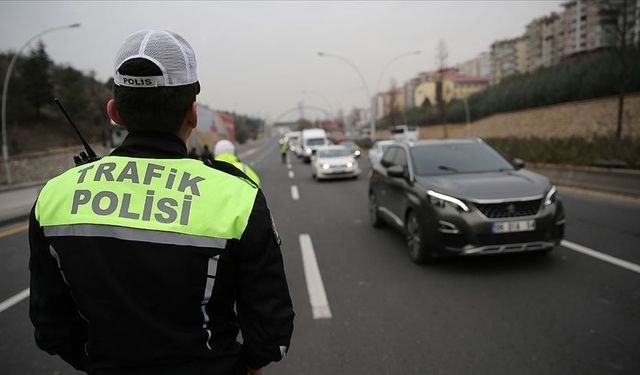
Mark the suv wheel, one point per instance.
(374, 217)
(418, 251)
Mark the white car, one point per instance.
(334, 162)
(376, 151)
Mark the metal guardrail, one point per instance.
(608, 180)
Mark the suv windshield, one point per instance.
(433, 160)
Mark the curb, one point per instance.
(14, 220)
(22, 185)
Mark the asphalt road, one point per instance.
(559, 313)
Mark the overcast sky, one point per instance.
(260, 58)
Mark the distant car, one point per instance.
(334, 162)
(462, 197)
(375, 152)
(353, 147)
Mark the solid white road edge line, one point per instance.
(290, 174)
(295, 195)
(317, 295)
(14, 300)
(596, 254)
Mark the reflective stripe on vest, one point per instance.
(173, 201)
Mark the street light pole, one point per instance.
(384, 70)
(366, 88)
(5, 87)
(326, 101)
(406, 54)
(466, 112)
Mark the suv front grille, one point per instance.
(509, 209)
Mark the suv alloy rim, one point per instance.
(373, 210)
(413, 236)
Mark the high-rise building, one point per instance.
(596, 24)
(507, 57)
(552, 35)
(478, 66)
(534, 38)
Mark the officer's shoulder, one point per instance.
(230, 169)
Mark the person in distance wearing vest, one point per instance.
(225, 151)
(150, 262)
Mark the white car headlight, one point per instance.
(357, 153)
(349, 164)
(551, 197)
(325, 166)
(441, 200)
(307, 151)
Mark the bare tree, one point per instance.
(442, 54)
(392, 97)
(619, 25)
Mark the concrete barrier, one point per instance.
(608, 180)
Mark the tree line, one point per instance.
(31, 111)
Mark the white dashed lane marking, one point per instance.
(601, 256)
(14, 300)
(295, 195)
(315, 287)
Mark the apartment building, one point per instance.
(586, 26)
(455, 85)
(507, 57)
(478, 66)
(581, 27)
(385, 102)
(552, 40)
(410, 91)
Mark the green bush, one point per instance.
(598, 151)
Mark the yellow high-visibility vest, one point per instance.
(177, 201)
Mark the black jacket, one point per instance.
(113, 306)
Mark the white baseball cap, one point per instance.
(170, 52)
(224, 147)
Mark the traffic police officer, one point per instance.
(226, 151)
(147, 261)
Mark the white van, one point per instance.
(311, 140)
(404, 133)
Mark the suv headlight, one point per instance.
(551, 196)
(325, 166)
(441, 200)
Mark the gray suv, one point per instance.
(462, 197)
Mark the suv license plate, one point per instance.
(514, 226)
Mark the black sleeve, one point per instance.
(59, 328)
(263, 302)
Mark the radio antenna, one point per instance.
(92, 155)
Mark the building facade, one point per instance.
(454, 86)
(507, 57)
(478, 66)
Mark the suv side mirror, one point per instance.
(518, 163)
(396, 171)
